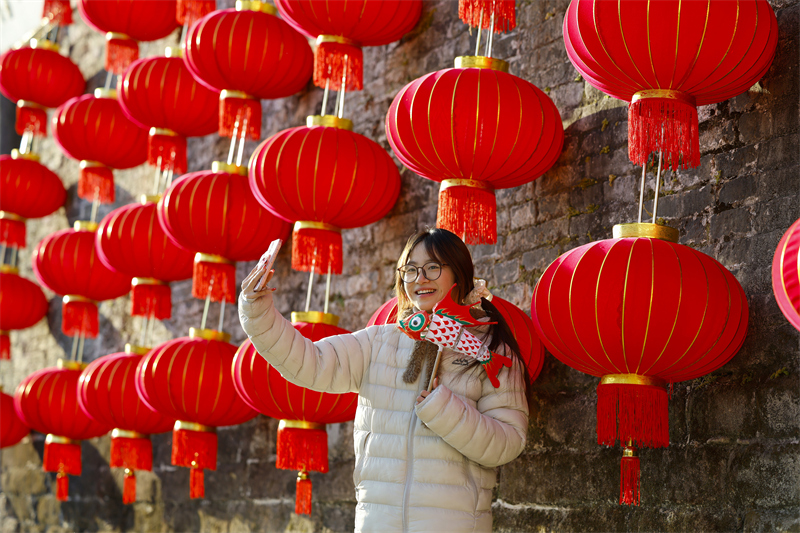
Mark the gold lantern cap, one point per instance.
(331, 121)
(646, 229)
(491, 63)
(315, 317)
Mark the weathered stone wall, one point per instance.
(733, 461)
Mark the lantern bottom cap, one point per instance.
(646, 229)
(491, 63)
(633, 379)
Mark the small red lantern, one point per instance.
(131, 241)
(47, 401)
(107, 393)
(342, 28)
(474, 128)
(125, 22)
(215, 214)
(326, 178)
(28, 189)
(302, 440)
(640, 311)
(22, 304)
(36, 78)
(160, 93)
(189, 379)
(95, 131)
(12, 428)
(66, 262)
(667, 58)
(786, 274)
(248, 53)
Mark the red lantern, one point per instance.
(189, 11)
(66, 262)
(786, 274)
(12, 428)
(326, 178)
(125, 22)
(248, 53)
(640, 311)
(22, 304)
(38, 77)
(160, 93)
(342, 28)
(28, 189)
(474, 128)
(47, 401)
(302, 440)
(385, 314)
(666, 58)
(107, 393)
(189, 379)
(131, 241)
(215, 214)
(95, 131)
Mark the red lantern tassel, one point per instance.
(629, 478)
(196, 450)
(197, 487)
(64, 457)
(62, 487)
(237, 112)
(121, 51)
(632, 413)
(190, 11)
(79, 316)
(31, 119)
(96, 181)
(5, 346)
(316, 248)
(134, 453)
(12, 232)
(58, 12)
(215, 278)
(479, 13)
(468, 208)
(129, 487)
(333, 60)
(666, 125)
(170, 148)
(302, 501)
(302, 448)
(151, 300)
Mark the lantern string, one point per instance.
(158, 177)
(95, 204)
(311, 281)
(170, 173)
(74, 348)
(328, 288)
(82, 340)
(245, 119)
(2, 253)
(208, 302)
(325, 94)
(491, 34)
(221, 315)
(13, 261)
(150, 323)
(641, 191)
(336, 104)
(344, 86)
(109, 76)
(658, 184)
(480, 30)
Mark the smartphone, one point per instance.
(268, 259)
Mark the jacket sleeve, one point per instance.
(494, 431)
(336, 364)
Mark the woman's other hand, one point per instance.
(249, 292)
(424, 394)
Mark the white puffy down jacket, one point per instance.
(426, 467)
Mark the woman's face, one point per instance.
(425, 293)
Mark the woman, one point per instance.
(424, 462)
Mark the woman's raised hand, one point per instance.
(249, 292)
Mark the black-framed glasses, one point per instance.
(410, 273)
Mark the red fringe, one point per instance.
(317, 248)
(224, 281)
(663, 125)
(58, 11)
(96, 182)
(330, 64)
(32, 119)
(302, 502)
(5, 348)
(151, 301)
(120, 53)
(505, 18)
(241, 110)
(134, 454)
(638, 414)
(629, 481)
(62, 487)
(470, 213)
(129, 488)
(302, 449)
(194, 449)
(197, 487)
(190, 11)
(171, 149)
(80, 317)
(12, 233)
(62, 458)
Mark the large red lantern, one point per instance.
(325, 177)
(342, 28)
(47, 401)
(95, 131)
(22, 304)
(66, 262)
(666, 58)
(38, 77)
(12, 428)
(302, 440)
(189, 379)
(131, 241)
(160, 93)
(107, 393)
(215, 214)
(248, 53)
(125, 22)
(641, 312)
(474, 128)
(28, 189)
(786, 274)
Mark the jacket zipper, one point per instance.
(410, 456)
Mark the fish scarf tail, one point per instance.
(493, 365)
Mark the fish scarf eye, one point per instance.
(414, 325)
